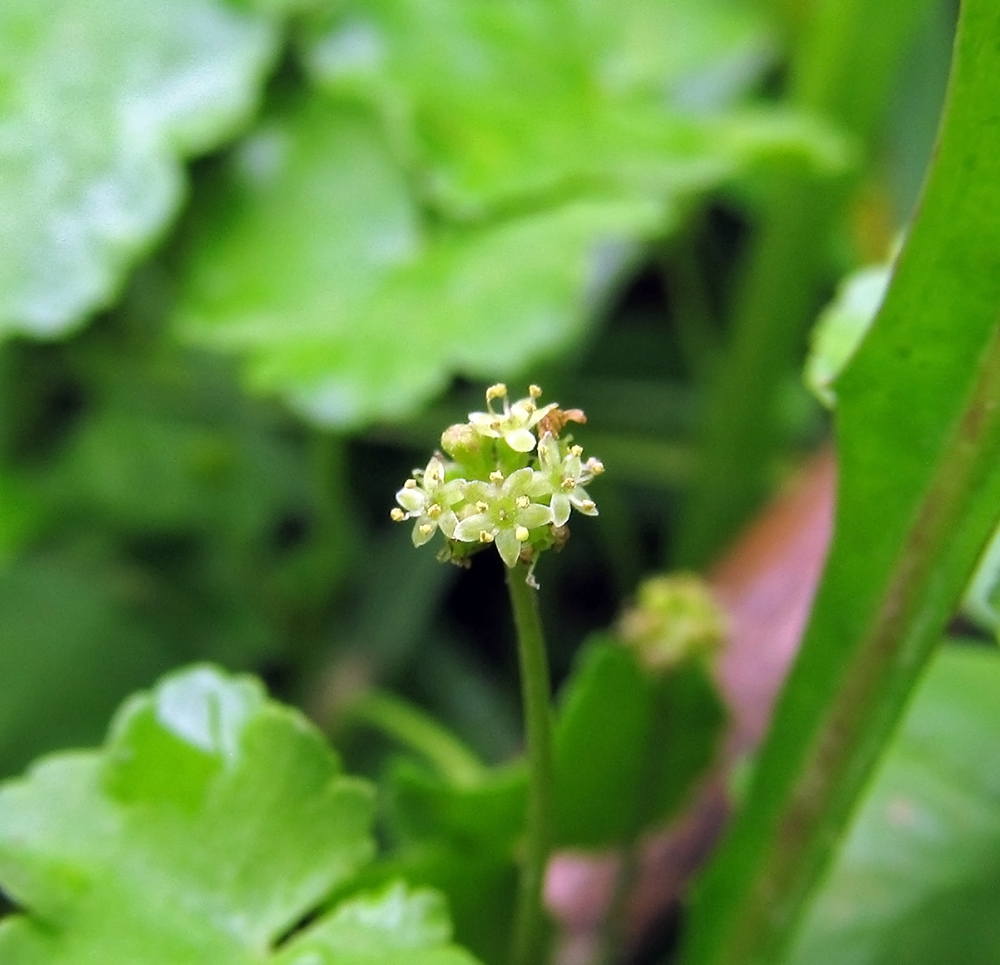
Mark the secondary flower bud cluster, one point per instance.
(506, 478)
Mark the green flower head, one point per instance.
(429, 499)
(512, 482)
(505, 513)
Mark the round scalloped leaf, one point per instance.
(99, 101)
(313, 263)
(211, 824)
(517, 101)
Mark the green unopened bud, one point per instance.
(675, 619)
(465, 446)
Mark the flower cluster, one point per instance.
(506, 478)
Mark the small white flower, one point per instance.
(505, 513)
(565, 476)
(429, 499)
(515, 423)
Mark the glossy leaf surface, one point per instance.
(209, 825)
(100, 100)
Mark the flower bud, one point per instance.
(463, 444)
(675, 619)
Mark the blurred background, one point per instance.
(256, 256)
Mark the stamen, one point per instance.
(482, 507)
(523, 501)
(397, 514)
(485, 536)
(496, 476)
(534, 391)
(434, 510)
(410, 484)
(426, 529)
(576, 451)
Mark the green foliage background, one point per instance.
(257, 254)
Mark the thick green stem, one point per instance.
(918, 490)
(530, 926)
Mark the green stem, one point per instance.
(422, 733)
(529, 926)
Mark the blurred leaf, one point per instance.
(630, 745)
(841, 328)
(101, 99)
(210, 824)
(72, 645)
(314, 263)
(918, 878)
(495, 103)
(461, 840)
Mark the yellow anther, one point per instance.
(496, 476)
(497, 391)
(521, 534)
(569, 484)
(523, 501)
(576, 451)
(426, 529)
(595, 466)
(434, 510)
(397, 514)
(410, 484)
(534, 391)
(485, 536)
(587, 505)
(481, 507)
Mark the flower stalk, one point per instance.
(510, 477)
(530, 924)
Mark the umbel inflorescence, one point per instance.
(509, 478)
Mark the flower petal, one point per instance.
(534, 515)
(508, 546)
(447, 522)
(520, 440)
(412, 500)
(560, 508)
(423, 530)
(468, 529)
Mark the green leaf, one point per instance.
(917, 879)
(101, 100)
(212, 822)
(65, 610)
(918, 491)
(841, 327)
(630, 745)
(497, 103)
(312, 261)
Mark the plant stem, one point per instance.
(420, 732)
(529, 925)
